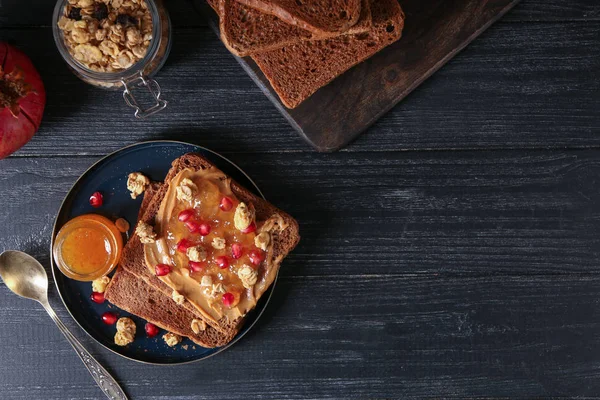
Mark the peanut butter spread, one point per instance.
(216, 280)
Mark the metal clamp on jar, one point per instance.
(116, 45)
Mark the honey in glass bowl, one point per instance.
(87, 247)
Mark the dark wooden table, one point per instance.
(452, 251)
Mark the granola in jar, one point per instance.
(106, 35)
(116, 45)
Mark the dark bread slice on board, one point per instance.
(299, 70)
(246, 31)
(318, 16)
(132, 258)
(214, 4)
(135, 296)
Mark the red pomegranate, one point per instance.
(237, 250)
(222, 262)
(183, 245)
(251, 228)
(151, 329)
(97, 297)
(22, 99)
(226, 204)
(185, 215)
(228, 299)
(162, 269)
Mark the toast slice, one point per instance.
(134, 249)
(318, 16)
(246, 31)
(134, 295)
(132, 259)
(298, 71)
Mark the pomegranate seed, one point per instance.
(256, 256)
(204, 229)
(162, 269)
(109, 318)
(196, 266)
(151, 329)
(222, 262)
(192, 226)
(183, 245)
(251, 228)
(237, 250)
(226, 204)
(228, 299)
(97, 297)
(96, 200)
(185, 215)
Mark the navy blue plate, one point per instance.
(109, 176)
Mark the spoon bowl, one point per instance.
(24, 275)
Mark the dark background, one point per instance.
(453, 250)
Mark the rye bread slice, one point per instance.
(298, 71)
(245, 30)
(132, 261)
(134, 295)
(214, 4)
(134, 250)
(318, 16)
(132, 258)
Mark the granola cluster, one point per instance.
(125, 331)
(107, 35)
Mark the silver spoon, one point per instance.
(26, 277)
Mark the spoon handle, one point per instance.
(107, 383)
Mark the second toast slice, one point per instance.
(318, 16)
(283, 241)
(246, 31)
(297, 71)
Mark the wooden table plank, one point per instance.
(454, 213)
(398, 337)
(467, 273)
(542, 10)
(518, 86)
(39, 12)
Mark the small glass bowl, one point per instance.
(87, 247)
(139, 74)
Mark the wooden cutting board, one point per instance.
(435, 31)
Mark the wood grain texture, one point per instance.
(38, 13)
(530, 85)
(467, 273)
(403, 336)
(434, 32)
(449, 213)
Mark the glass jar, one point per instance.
(138, 76)
(87, 247)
